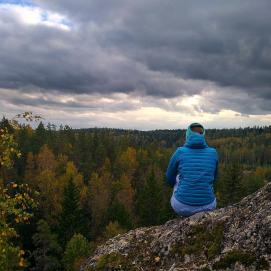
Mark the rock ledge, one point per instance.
(237, 237)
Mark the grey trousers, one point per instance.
(188, 210)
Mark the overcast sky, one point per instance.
(140, 64)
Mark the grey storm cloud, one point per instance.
(114, 106)
(157, 48)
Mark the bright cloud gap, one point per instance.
(30, 14)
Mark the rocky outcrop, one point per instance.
(232, 238)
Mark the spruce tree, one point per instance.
(231, 184)
(149, 203)
(71, 217)
(117, 212)
(40, 137)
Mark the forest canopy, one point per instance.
(64, 190)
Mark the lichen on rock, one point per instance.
(237, 237)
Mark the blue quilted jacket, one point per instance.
(195, 164)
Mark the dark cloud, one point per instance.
(158, 48)
(78, 105)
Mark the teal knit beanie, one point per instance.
(189, 132)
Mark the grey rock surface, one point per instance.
(237, 237)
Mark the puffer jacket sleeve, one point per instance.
(172, 169)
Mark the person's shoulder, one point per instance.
(180, 150)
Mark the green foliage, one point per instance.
(77, 249)
(100, 197)
(230, 184)
(117, 212)
(243, 257)
(201, 241)
(254, 180)
(16, 205)
(71, 217)
(149, 202)
(8, 148)
(234, 256)
(47, 250)
(113, 261)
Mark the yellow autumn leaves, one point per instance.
(8, 148)
(16, 201)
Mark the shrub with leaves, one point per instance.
(8, 145)
(16, 205)
(76, 251)
(16, 201)
(8, 148)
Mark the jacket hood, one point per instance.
(194, 139)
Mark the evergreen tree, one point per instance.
(40, 137)
(71, 218)
(231, 184)
(117, 212)
(149, 204)
(30, 169)
(48, 251)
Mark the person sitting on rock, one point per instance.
(192, 171)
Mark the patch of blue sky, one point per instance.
(18, 2)
(66, 22)
(44, 16)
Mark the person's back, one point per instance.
(192, 170)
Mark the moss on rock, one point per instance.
(201, 240)
(205, 269)
(234, 256)
(113, 261)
